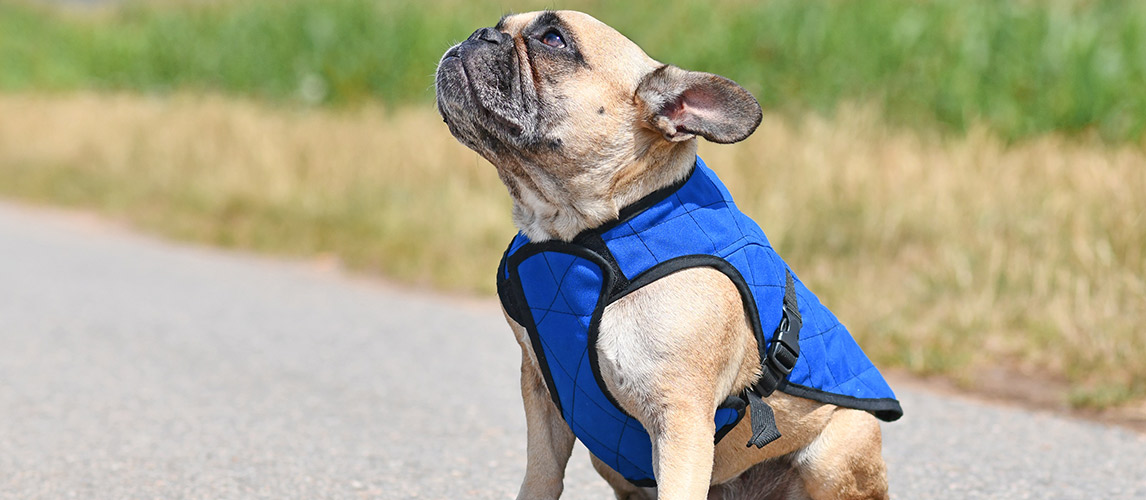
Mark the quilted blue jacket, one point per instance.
(558, 291)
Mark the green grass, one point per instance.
(1023, 68)
(337, 51)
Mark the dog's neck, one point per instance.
(550, 208)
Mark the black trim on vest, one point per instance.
(594, 242)
(511, 300)
(632, 210)
(607, 278)
(590, 245)
(763, 422)
(613, 289)
(591, 239)
(704, 260)
(642, 483)
(885, 409)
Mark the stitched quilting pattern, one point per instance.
(701, 218)
(563, 289)
(562, 294)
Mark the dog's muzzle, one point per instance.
(479, 85)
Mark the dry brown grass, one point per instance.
(391, 193)
(944, 255)
(959, 255)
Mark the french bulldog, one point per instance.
(582, 125)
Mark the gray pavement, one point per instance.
(136, 368)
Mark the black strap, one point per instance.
(594, 242)
(764, 429)
(776, 365)
(781, 357)
(511, 301)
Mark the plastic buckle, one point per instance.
(785, 350)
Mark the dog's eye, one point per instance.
(553, 39)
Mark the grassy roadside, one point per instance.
(961, 253)
(1022, 68)
(382, 194)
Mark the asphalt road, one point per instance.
(135, 368)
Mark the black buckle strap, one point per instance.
(778, 364)
(781, 357)
(785, 349)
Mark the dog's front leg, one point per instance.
(671, 351)
(683, 449)
(549, 442)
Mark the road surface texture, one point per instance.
(135, 368)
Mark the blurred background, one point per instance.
(962, 181)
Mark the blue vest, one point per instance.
(558, 291)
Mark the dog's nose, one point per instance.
(489, 35)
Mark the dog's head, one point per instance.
(578, 120)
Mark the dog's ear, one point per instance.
(681, 104)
